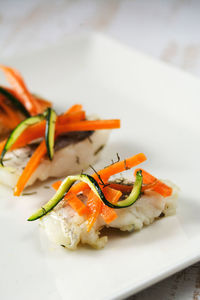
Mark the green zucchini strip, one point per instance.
(69, 181)
(15, 102)
(18, 131)
(50, 131)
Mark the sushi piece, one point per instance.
(50, 145)
(17, 103)
(98, 202)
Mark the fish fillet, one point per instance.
(66, 228)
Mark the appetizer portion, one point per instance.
(16, 102)
(78, 212)
(47, 145)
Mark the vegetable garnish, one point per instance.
(77, 204)
(94, 206)
(88, 125)
(108, 214)
(30, 168)
(19, 98)
(75, 108)
(103, 196)
(38, 130)
(111, 170)
(20, 89)
(13, 117)
(155, 184)
(48, 126)
(18, 131)
(16, 103)
(50, 131)
(95, 188)
(63, 189)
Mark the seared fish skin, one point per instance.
(66, 228)
(69, 158)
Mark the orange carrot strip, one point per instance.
(127, 188)
(21, 90)
(149, 185)
(30, 168)
(88, 125)
(75, 108)
(56, 184)
(124, 188)
(113, 169)
(2, 144)
(43, 103)
(94, 206)
(112, 196)
(71, 117)
(76, 204)
(158, 186)
(108, 213)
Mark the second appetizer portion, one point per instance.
(78, 212)
(43, 144)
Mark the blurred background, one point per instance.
(167, 30)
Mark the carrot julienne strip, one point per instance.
(21, 90)
(42, 102)
(124, 188)
(112, 196)
(56, 185)
(157, 185)
(76, 204)
(127, 188)
(94, 206)
(75, 108)
(30, 168)
(108, 213)
(75, 116)
(88, 125)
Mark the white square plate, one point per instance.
(159, 108)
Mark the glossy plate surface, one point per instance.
(159, 108)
